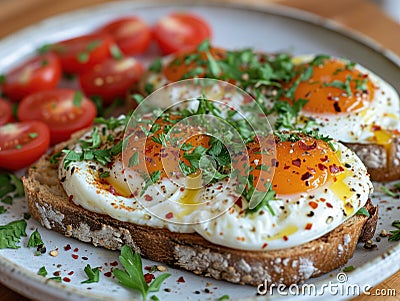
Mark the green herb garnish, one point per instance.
(133, 277)
(395, 234)
(77, 99)
(363, 211)
(349, 268)
(93, 274)
(35, 239)
(11, 234)
(42, 272)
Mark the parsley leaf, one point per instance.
(42, 272)
(77, 100)
(133, 277)
(156, 65)
(395, 234)
(11, 234)
(363, 211)
(93, 274)
(35, 239)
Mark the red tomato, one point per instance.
(131, 34)
(111, 78)
(42, 72)
(5, 111)
(81, 53)
(180, 31)
(64, 111)
(22, 143)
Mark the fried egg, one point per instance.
(345, 100)
(318, 185)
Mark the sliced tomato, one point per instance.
(80, 53)
(181, 31)
(42, 72)
(22, 143)
(132, 34)
(5, 111)
(111, 78)
(64, 111)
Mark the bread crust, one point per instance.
(49, 204)
(382, 161)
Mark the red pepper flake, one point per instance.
(307, 147)
(376, 127)
(107, 274)
(324, 159)
(322, 166)
(169, 215)
(322, 199)
(306, 176)
(147, 268)
(182, 189)
(285, 238)
(329, 205)
(296, 162)
(71, 198)
(66, 279)
(239, 202)
(181, 280)
(148, 198)
(308, 226)
(335, 169)
(71, 273)
(74, 256)
(274, 162)
(312, 170)
(67, 247)
(76, 250)
(148, 277)
(264, 246)
(313, 205)
(114, 264)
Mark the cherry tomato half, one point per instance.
(180, 31)
(81, 53)
(132, 34)
(22, 143)
(111, 78)
(64, 111)
(42, 72)
(5, 111)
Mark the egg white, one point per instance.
(214, 215)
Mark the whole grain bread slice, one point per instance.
(50, 205)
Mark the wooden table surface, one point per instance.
(358, 15)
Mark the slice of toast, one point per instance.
(50, 205)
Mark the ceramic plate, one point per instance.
(268, 28)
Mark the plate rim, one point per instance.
(61, 290)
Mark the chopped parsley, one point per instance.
(116, 53)
(77, 99)
(363, 211)
(42, 272)
(132, 276)
(35, 239)
(349, 268)
(11, 233)
(92, 274)
(395, 234)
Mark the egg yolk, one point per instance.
(159, 154)
(333, 87)
(187, 64)
(300, 166)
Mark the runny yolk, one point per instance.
(334, 87)
(302, 166)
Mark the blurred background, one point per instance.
(378, 19)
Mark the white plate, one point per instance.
(270, 28)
